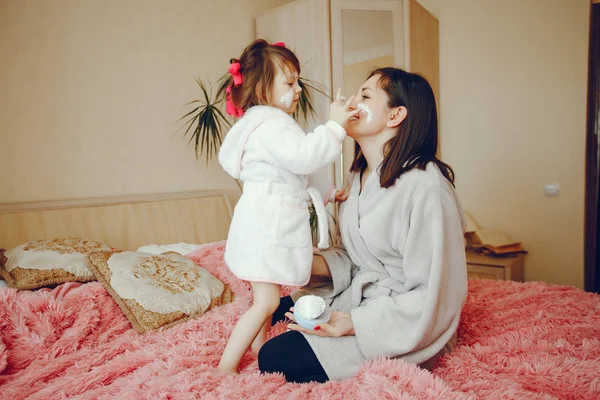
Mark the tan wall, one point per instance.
(513, 78)
(91, 92)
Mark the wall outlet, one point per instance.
(551, 190)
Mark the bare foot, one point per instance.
(231, 371)
(228, 367)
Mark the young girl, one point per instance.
(269, 242)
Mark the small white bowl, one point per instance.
(308, 323)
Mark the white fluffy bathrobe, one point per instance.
(270, 238)
(401, 273)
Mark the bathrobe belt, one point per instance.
(306, 194)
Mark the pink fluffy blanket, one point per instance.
(518, 341)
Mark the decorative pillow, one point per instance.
(48, 262)
(181, 248)
(157, 291)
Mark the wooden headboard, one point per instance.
(122, 222)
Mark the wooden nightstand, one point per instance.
(499, 268)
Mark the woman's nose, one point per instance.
(298, 89)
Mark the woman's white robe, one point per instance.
(401, 272)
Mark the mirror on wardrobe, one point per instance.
(365, 36)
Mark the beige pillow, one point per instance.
(48, 262)
(157, 291)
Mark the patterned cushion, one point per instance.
(48, 262)
(157, 291)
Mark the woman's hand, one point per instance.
(342, 195)
(340, 324)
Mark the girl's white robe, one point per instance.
(270, 237)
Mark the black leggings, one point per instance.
(290, 353)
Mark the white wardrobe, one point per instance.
(339, 42)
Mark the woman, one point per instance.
(398, 283)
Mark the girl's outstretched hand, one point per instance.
(339, 111)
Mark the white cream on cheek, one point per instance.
(287, 98)
(365, 108)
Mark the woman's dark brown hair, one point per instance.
(416, 141)
(258, 70)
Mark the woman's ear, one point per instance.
(396, 116)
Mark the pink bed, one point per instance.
(516, 341)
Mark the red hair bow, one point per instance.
(235, 70)
(230, 108)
